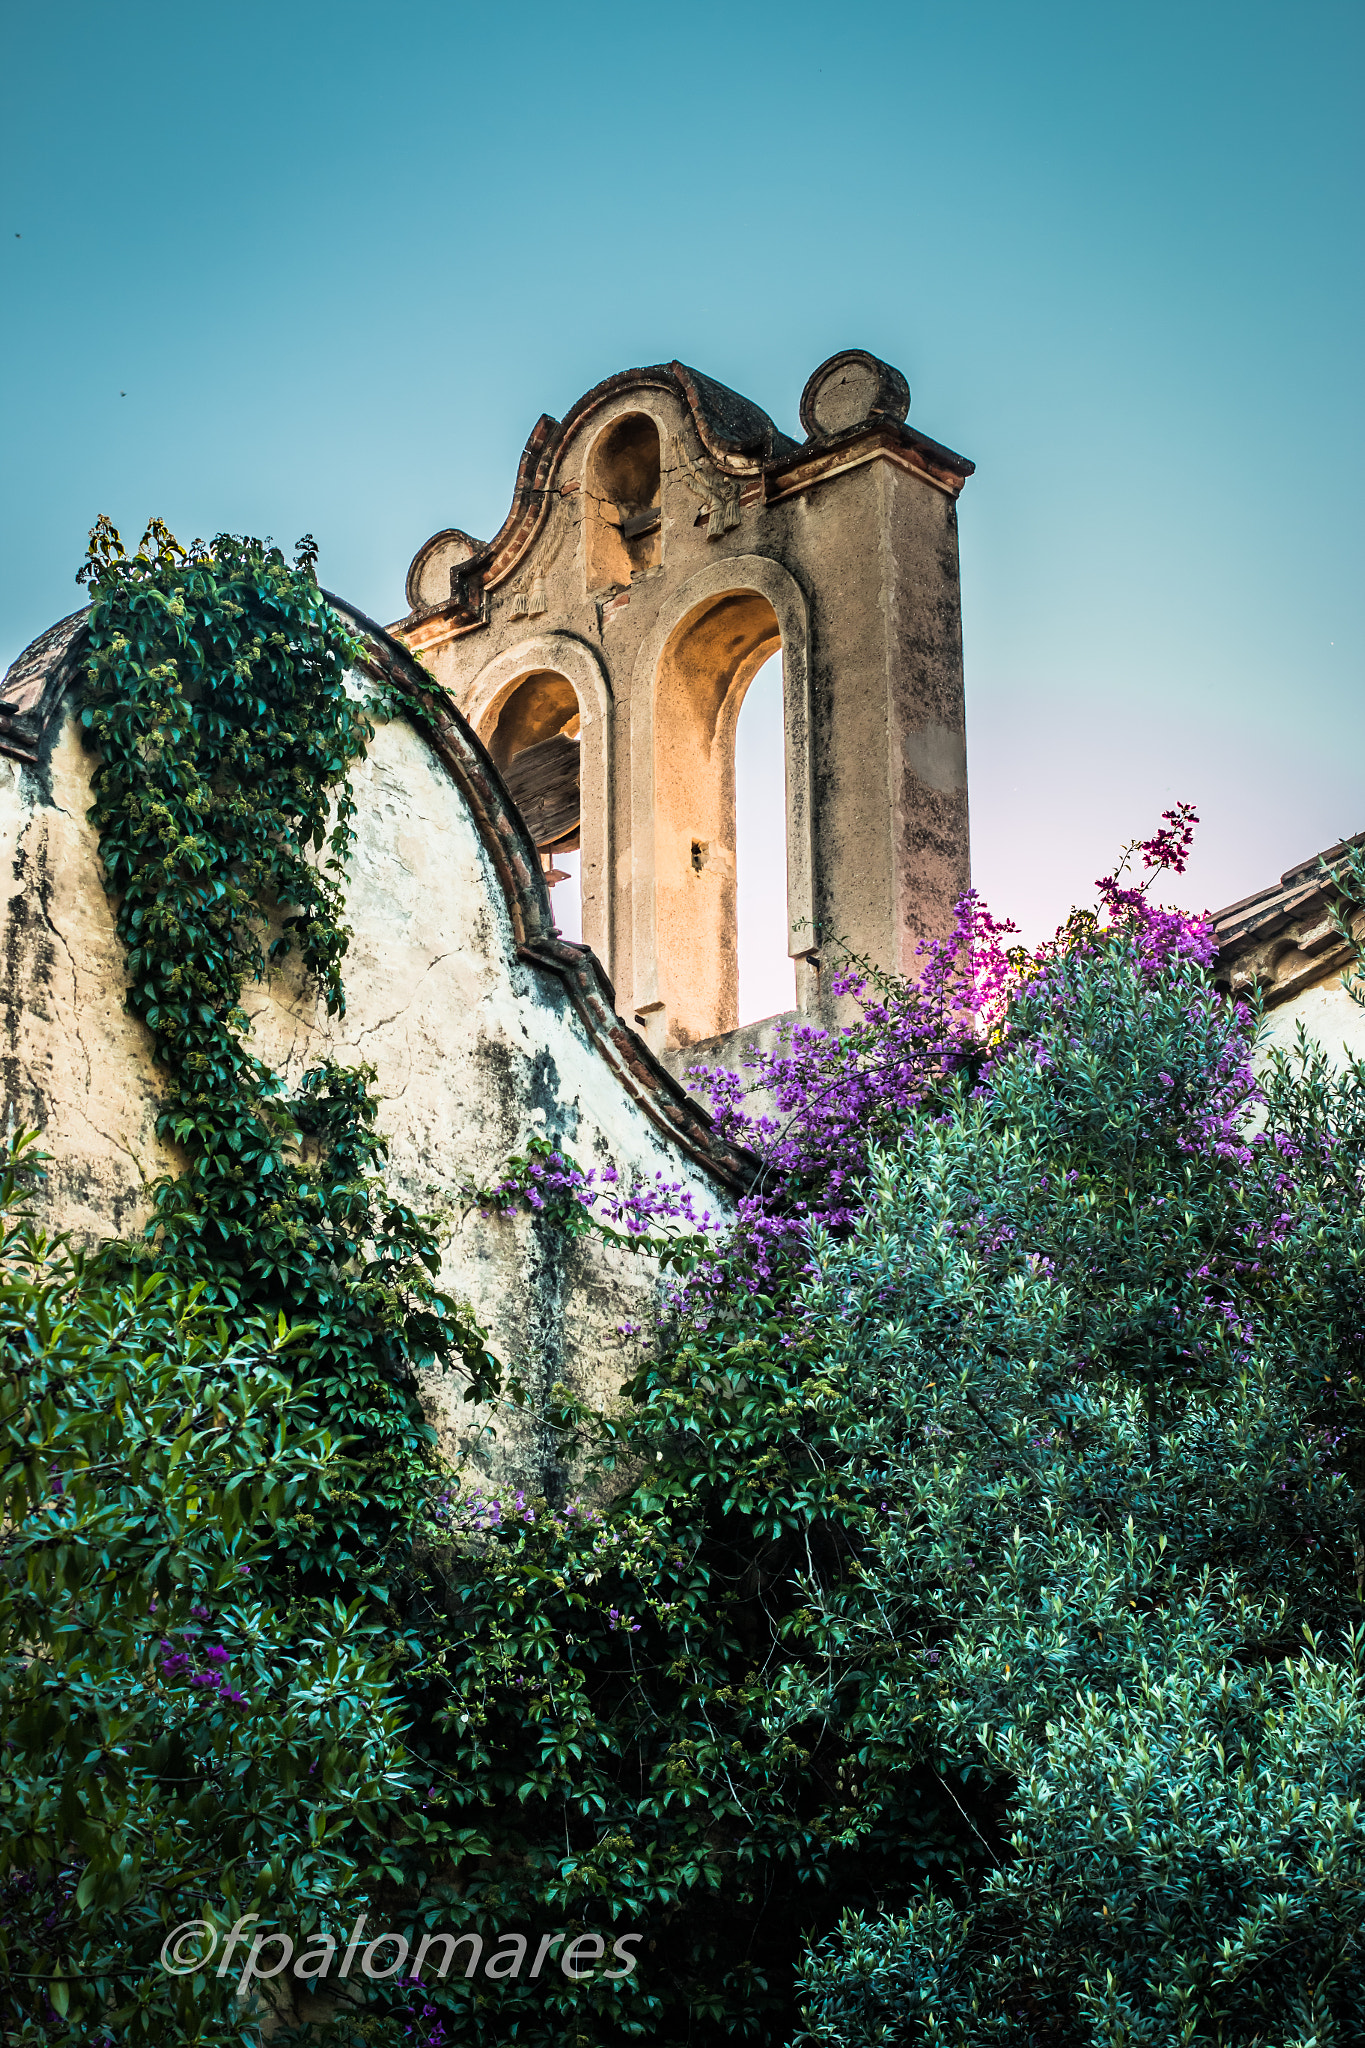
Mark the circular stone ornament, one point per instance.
(429, 577)
(853, 389)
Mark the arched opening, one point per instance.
(705, 670)
(622, 496)
(767, 972)
(533, 737)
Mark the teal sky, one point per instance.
(295, 267)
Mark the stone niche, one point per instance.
(485, 1027)
(664, 539)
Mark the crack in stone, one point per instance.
(60, 937)
(369, 1029)
(82, 1110)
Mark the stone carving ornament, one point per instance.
(718, 495)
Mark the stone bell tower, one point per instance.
(664, 539)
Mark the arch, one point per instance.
(623, 501)
(690, 677)
(534, 710)
(560, 656)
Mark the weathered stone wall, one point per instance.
(74, 1064)
(478, 1045)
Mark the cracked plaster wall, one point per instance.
(475, 1050)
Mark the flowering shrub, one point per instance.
(1100, 1326)
(770, 1678)
(838, 1093)
(547, 1180)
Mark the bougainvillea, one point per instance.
(836, 1093)
(1074, 1371)
(1100, 1323)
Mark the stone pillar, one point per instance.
(888, 740)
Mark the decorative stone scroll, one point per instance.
(852, 390)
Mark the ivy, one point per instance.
(218, 703)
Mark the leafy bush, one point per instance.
(1102, 1337)
(597, 1706)
(177, 1748)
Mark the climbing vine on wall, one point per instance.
(217, 700)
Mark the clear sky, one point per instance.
(292, 266)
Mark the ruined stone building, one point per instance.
(663, 540)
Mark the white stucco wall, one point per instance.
(1327, 1013)
(475, 1049)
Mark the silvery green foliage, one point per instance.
(1101, 1322)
